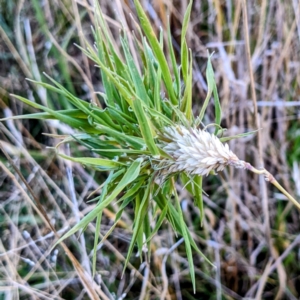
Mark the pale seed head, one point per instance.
(197, 151)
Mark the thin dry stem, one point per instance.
(269, 177)
(86, 280)
(257, 120)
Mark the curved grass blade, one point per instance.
(145, 127)
(130, 175)
(237, 136)
(174, 64)
(72, 121)
(212, 88)
(138, 222)
(186, 239)
(184, 48)
(148, 30)
(158, 223)
(94, 161)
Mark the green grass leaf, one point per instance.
(145, 127)
(122, 138)
(186, 240)
(95, 161)
(197, 193)
(135, 76)
(184, 48)
(186, 105)
(211, 89)
(237, 136)
(174, 64)
(65, 118)
(146, 25)
(158, 223)
(141, 210)
(130, 175)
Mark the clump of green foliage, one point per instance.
(124, 129)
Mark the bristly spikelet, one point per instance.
(196, 151)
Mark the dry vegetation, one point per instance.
(251, 232)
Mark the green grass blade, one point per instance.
(156, 116)
(106, 83)
(241, 135)
(151, 67)
(97, 231)
(85, 107)
(72, 121)
(158, 223)
(184, 61)
(157, 99)
(135, 76)
(130, 175)
(123, 120)
(122, 138)
(137, 226)
(145, 127)
(186, 240)
(132, 191)
(146, 234)
(186, 105)
(197, 193)
(146, 25)
(73, 113)
(173, 217)
(174, 64)
(138, 222)
(210, 89)
(184, 48)
(94, 161)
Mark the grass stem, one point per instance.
(269, 177)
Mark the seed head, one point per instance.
(197, 151)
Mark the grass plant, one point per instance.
(140, 133)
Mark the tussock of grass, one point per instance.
(235, 237)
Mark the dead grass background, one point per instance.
(251, 233)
